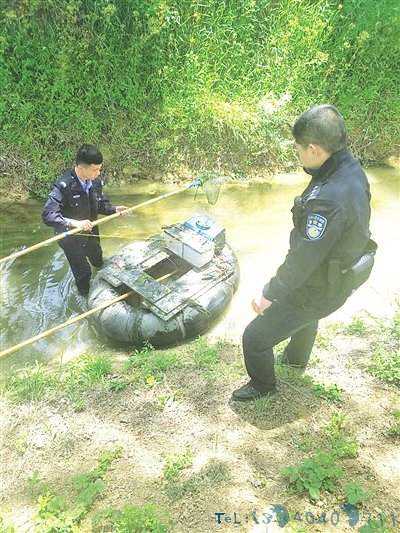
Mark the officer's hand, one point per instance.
(121, 208)
(85, 225)
(260, 307)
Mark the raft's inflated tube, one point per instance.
(135, 325)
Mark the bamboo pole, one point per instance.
(74, 319)
(64, 324)
(95, 223)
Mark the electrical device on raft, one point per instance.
(181, 281)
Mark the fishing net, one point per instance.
(211, 185)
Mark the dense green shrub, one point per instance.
(165, 82)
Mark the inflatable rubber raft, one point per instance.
(181, 282)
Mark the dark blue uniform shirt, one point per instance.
(331, 223)
(68, 200)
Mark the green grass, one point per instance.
(4, 528)
(204, 355)
(131, 519)
(72, 379)
(338, 444)
(175, 463)
(58, 514)
(164, 83)
(333, 439)
(31, 383)
(152, 363)
(395, 429)
(320, 471)
(333, 393)
(357, 327)
(174, 467)
(385, 364)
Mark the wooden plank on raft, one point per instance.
(186, 289)
(148, 258)
(143, 284)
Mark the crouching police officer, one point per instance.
(75, 201)
(330, 253)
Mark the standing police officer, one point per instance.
(328, 256)
(75, 201)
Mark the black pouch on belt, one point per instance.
(358, 273)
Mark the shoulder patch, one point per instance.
(315, 226)
(64, 181)
(314, 192)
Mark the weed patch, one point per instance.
(338, 445)
(385, 365)
(314, 475)
(357, 327)
(395, 429)
(73, 379)
(354, 493)
(332, 392)
(131, 519)
(175, 463)
(204, 355)
(384, 362)
(56, 515)
(151, 363)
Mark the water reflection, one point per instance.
(38, 291)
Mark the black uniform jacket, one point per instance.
(68, 200)
(331, 226)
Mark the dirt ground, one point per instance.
(250, 443)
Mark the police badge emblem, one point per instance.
(315, 226)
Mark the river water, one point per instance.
(38, 292)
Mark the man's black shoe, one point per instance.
(248, 393)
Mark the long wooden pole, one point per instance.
(75, 319)
(95, 223)
(64, 324)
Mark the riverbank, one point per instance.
(93, 443)
(216, 86)
(13, 189)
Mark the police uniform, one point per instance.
(68, 200)
(331, 231)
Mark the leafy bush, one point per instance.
(314, 475)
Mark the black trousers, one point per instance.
(78, 249)
(279, 322)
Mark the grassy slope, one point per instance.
(160, 84)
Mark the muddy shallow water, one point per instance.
(38, 291)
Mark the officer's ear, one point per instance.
(318, 153)
(315, 149)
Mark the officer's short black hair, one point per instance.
(322, 125)
(88, 155)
